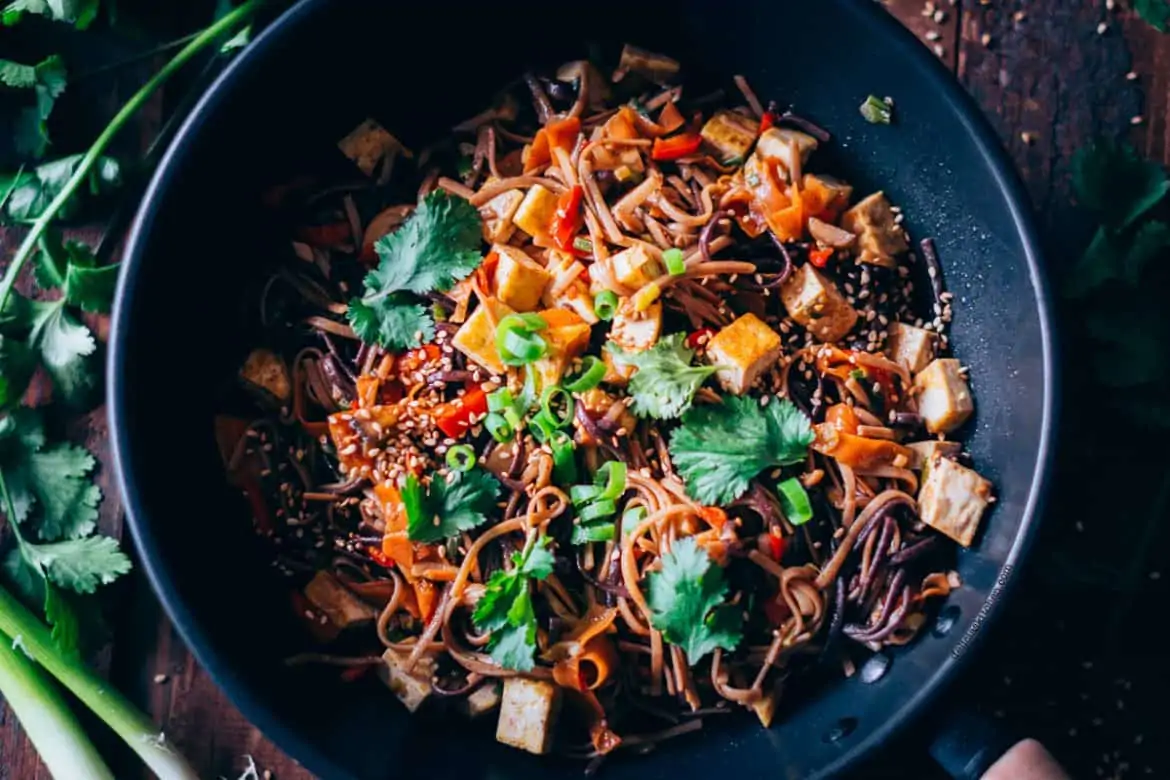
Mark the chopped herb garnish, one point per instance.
(686, 602)
(505, 610)
(459, 502)
(665, 383)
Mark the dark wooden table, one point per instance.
(1076, 663)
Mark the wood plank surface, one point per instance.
(1049, 80)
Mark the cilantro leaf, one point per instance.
(1156, 13)
(1112, 179)
(1132, 342)
(63, 617)
(686, 602)
(392, 321)
(718, 449)
(65, 346)
(33, 191)
(665, 382)
(79, 565)
(458, 503)
(79, 13)
(505, 609)
(47, 80)
(1112, 257)
(71, 265)
(17, 364)
(56, 478)
(437, 246)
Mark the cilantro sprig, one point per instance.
(1156, 13)
(46, 81)
(505, 610)
(719, 448)
(79, 13)
(665, 383)
(686, 602)
(436, 247)
(460, 502)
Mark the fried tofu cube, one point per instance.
(742, 351)
(776, 144)
(528, 714)
(342, 608)
(411, 688)
(923, 451)
(368, 145)
(535, 213)
(265, 370)
(817, 304)
(482, 700)
(497, 215)
(567, 288)
(520, 280)
(635, 331)
(879, 237)
(833, 193)
(912, 347)
(636, 266)
(476, 337)
(730, 135)
(615, 374)
(944, 399)
(952, 499)
(567, 336)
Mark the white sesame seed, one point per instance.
(1131, 76)
(939, 50)
(932, 35)
(1136, 120)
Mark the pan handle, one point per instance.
(972, 747)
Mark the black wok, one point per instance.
(325, 65)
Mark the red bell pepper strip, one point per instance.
(666, 149)
(776, 545)
(455, 418)
(700, 337)
(769, 121)
(820, 257)
(568, 219)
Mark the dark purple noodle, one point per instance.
(863, 633)
(518, 458)
(594, 429)
(813, 129)
(879, 555)
(341, 384)
(337, 356)
(613, 589)
(469, 683)
(544, 109)
(890, 622)
(878, 516)
(914, 551)
(837, 621)
(933, 269)
(786, 270)
(708, 229)
(449, 377)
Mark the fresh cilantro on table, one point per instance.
(1155, 13)
(71, 265)
(461, 501)
(505, 609)
(47, 81)
(665, 383)
(686, 602)
(1112, 180)
(1114, 257)
(79, 13)
(719, 448)
(33, 191)
(436, 247)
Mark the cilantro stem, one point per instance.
(81, 173)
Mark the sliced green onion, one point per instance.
(461, 458)
(499, 427)
(542, 427)
(674, 261)
(612, 475)
(595, 532)
(516, 339)
(590, 376)
(438, 312)
(597, 510)
(548, 403)
(605, 304)
(582, 244)
(858, 374)
(632, 517)
(794, 501)
(564, 463)
(877, 111)
(501, 399)
(531, 320)
(583, 494)
(513, 419)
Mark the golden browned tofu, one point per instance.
(912, 347)
(615, 374)
(411, 688)
(535, 213)
(730, 135)
(817, 304)
(952, 499)
(923, 451)
(573, 295)
(520, 280)
(476, 337)
(265, 370)
(742, 351)
(497, 215)
(635, 331)
(776, 144)
(834, 192)
(880, 239)
(636, 266)
(367, 145)
(528, 714)
(482, 700)
(567, 336)
(342, 607)
(944, 400)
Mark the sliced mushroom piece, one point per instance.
(830, 235)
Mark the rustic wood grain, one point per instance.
(1047, 80)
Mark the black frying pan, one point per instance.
(327, 64)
